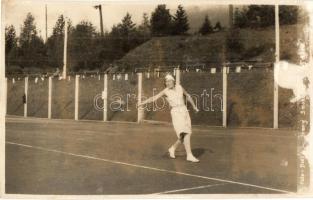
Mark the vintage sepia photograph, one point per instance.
(156, 98)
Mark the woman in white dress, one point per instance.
(179, 113)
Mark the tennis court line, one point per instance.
(150, 168)
(191, 188)
(13, 119)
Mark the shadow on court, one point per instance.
(199, 151)
(68, 157)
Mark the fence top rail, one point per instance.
(196, 67)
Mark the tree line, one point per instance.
(260, 16)
(88, 50)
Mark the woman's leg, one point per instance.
(187, 144)
(172, 149)
(190, 156)
(176, 144)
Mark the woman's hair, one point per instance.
(172, 80)
(169, 77)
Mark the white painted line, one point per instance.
(23, 145)
(191, 188)
(16, 119)
(150, 168)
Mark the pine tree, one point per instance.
(241, 18)
(218, 26)
(206, 27)
(56, 41)
(127, 26)
(32, 51)
(28, 29)
(58, 28)
(82, 46)
(255, 16)
(144, 27)
(180, 22)
(10, 39)
(10, 44)
(161, 21)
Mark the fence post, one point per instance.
(26, 95)
(310, 137)
(105, 98)
(76, 96)
(224, 96)
(6, 96)
(140, 115)
(177, 76)
(277, 58)
(49, 97)
(275, 113)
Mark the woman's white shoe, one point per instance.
(192, 159)
(171, 152)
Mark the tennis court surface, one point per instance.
(67, 157)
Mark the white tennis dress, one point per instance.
(180, 115)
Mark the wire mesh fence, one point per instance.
(206, 90)
(153, 83)
(90, 105)
(37, 97)
(122, 97)
(63, 98)
(249, 97)
(15, 96)
(288, 111)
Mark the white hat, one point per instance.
(169, 77)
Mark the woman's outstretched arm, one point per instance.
(190, 100)
(152, 99)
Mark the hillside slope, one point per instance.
(175, 50)
(257, 45)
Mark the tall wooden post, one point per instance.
(65, 50)
(25, 96)
(105, 97)
(310, 137)
(231, 16)
(177, 76)
(277, 56)
(224, 96)
(140, 116)
(6, 96)
(76, 96)
(49, 97)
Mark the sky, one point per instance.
(113, 12)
